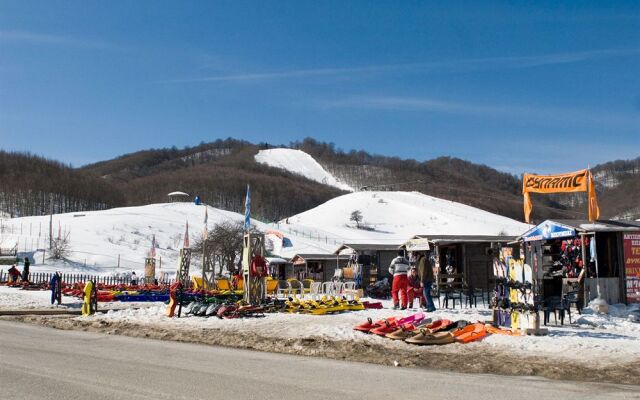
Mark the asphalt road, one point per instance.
(42, 363)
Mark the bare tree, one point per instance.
(224, 244)
(356, 216)
(60, 247)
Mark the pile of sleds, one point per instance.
(124, 293)
(420, 330)
(233, 307)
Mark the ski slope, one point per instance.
(300, 163)
(394, 217)
(102, 240)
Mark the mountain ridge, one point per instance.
(219, 171)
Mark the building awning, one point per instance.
(300, 259)
(562, 228)
(276, 260)
(356, 247)
(453, 239)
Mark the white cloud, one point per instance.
(463, 65)
(16, 36)
(534, 113)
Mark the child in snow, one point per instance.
(399, 268)
(14, 274)
(414, 289)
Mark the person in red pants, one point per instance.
(399, 268)
(414, 289)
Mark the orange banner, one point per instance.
(579, 181)
(563, 183)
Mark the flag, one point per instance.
(527, 208)
(205, 233)
(594, 209)
(186, 237)
(247, 210)
(152, 251)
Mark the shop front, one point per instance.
(318, 267)
(468, 256)
(368, 262)
(593, 259)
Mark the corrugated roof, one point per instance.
(465, 238)
(320, 257)
(601, 225)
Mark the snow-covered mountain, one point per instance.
(393, 217)
(300, 163)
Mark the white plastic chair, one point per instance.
(315, 290)
(284, 289)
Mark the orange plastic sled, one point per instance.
(470, 333)
(499, 331)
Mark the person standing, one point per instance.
(425, 272)
(398, 268)
(134, 278)
(25, 271)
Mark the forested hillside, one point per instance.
(219, 172)
(32, 185)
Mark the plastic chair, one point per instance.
(307, 285)
(197, 282)
(283, 288)
(315, 289)
(327, 288)
(295, 287)
(223, 284)
(271, 288)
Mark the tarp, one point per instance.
(548, 230)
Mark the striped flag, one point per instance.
(186, 237)
(152, 251)
(247, 210)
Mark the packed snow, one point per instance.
(300, 163)
(606, 338)
(603, 337)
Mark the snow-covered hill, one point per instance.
(99, 238)
(393, 217)
(300, 163)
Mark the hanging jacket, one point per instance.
(399, 266)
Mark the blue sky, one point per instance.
(519, 86)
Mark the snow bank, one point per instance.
(300, 163)
(615, 339)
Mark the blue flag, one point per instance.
(247, 210)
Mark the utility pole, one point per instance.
(50, 222)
